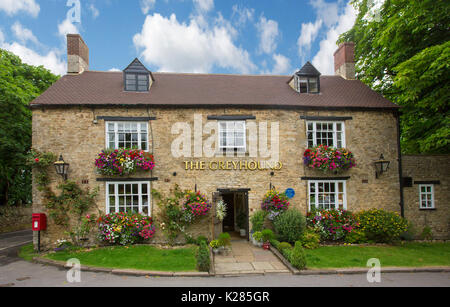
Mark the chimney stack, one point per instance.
(77, 54)
(344, 61)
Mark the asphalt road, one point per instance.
(15, 272)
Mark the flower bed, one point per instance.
(125, 228)
(123, 162)
(274, 203)
(195, 205)
(327, 158)
(333, 224)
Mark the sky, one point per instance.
(187, 36)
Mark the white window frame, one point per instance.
(336, 193)
(140, 194)
(426, 194)
(334, 132)
(116, 133)
(233, 147)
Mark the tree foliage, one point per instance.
(403, 53)
(19, 85)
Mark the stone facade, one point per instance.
(432, 169)
(72, 131)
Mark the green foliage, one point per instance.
(214, 244)
(284, 245)
(275, 243)
(297, 256)
(201, 239)
(405, 56)
(289, 225)
(19, 85)
(355, 237)
(258, 219)
(381, 226)
(427, 233)
(224, 239)
(241, 219)
(310, 239)
(267, 235)
(257, 236)
(203, 259)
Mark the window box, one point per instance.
(328, 159)
(123, 162)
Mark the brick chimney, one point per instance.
(344, 61)
(77, 54)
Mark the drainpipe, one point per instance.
(400, 168)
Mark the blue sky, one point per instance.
(200, 36)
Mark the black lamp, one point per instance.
(61, 167)
(381, 166)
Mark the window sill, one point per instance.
(427, 209)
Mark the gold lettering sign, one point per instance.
(214, 165)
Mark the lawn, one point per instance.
(140, 257)
(403, 255)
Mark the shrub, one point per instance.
(410, 232)
(427, 233)
(284, 245)
(201, 239)
(297, 257)
(125, 228)
(356, 236)
(310, 239)
(287, 252)
(224, 239)
(258, 219)
(203, 260)
(381, 226)
(214, 244)
(275, 243)
(332, 224)
(289, 225)
(257, 236)
(267, 235)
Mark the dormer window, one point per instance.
(137, 78)
(307, 79)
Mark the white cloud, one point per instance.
(67, 27)
(324, 59)
(13, 7)
(94, 11)
(51, 60)
(307, 36)
(268, 33)
(23, 34)
(147, 5)
(328, 12)
(242, 14)
(2, 37)
(282, 65)
(114, 69)
(204, 5)
(187, 47)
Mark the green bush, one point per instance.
(427, 233)
(381, 226)
(310, 239)
(410, 232)
(203, 260)
(284, 245)
(267, 235)
(275, 243)
(258, 219)
(356, 236)
(224, 239)
(298, 258)
(201, 239)
(289, 225)
(287, 252)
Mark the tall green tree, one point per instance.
(402, 51)
(19, 85)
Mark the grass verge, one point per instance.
(403, 255)
(139, 257)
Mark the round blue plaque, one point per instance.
(290, 193)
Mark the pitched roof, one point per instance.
(308, 70)
(176, 89)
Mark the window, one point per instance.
(326, 133)
(327, 195)
(426, 198)
(232, 135)
(127, 135)
(136, 82)
(128, 197)
(307, 85)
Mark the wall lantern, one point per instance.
(61, 167)
(381, 166)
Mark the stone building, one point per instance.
(210, 131)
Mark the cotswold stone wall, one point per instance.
(425, 169)
(71, 131)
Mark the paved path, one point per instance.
(10, 244)
(245, 258)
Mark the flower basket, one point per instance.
(196, 205)
(275, 202)
(328, 159)
(123, 162)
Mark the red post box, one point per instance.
(39, 221)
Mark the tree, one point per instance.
(19, 85)
(403, 53)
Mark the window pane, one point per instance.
(144, 189)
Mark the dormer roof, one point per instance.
(308, 70)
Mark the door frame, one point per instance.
(246, 204)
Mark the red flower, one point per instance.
(37, 160)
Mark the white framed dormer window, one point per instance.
(426, 196)
(128, 197)
(130, 135)
(327, 195)
(232, 135)
(325, 133)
